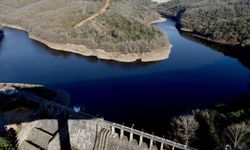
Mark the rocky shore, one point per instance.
(155, 55)
(161, 19)
(123, 35)
(222, 42)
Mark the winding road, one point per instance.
(101, 11)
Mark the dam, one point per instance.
(104, 134)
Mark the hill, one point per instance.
(108, 29)
(226, 21)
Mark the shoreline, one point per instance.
(186, 30)
(157, 55)
(61, 97)
(206, 38)
(161, 1)
(210, 39)
(159, 20)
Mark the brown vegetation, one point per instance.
(236, 133)
(122, 28)
(184, 128)
(223, 21)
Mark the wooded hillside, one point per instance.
(122, 27)
(226, 21)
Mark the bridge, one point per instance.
(153, 139)
(106, 129)
(55, 109)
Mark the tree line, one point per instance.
(123, 27)
(225, 21)
(224, 126)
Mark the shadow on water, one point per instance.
(16, 102)
(93, 59)
(1, 39)
(242, 54)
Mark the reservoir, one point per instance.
(196, 75)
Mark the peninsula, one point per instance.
(108, 29)
(224, 22)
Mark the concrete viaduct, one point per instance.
(111, 128)
(55, 109)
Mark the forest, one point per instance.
(222, 126)
(224, 21)
(124, 26)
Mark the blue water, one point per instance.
(147, 95)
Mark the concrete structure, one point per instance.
(56, 109)
(152, 138)
(82, 126)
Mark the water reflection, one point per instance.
(240, 53)
(1, 41)
(194, 76)
(1, 38)
(93, 59)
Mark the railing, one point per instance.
(113, 126)
(46, 103)
(151, 137)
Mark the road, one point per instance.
(101, 11)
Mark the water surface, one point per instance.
(144, 94)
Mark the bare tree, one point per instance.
(185, 127)
(236, 133)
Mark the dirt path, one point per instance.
(101, 11)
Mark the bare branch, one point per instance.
(185, 127)
(236, 132)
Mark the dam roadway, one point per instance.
(56, 109)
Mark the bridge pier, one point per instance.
(173, 147)
(140, 140)
(112, 130)
(54, 109)
(151, 143)
(162, 144)
(121, 133)
(131, 136)
(153, 139)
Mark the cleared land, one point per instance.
(114, 29)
